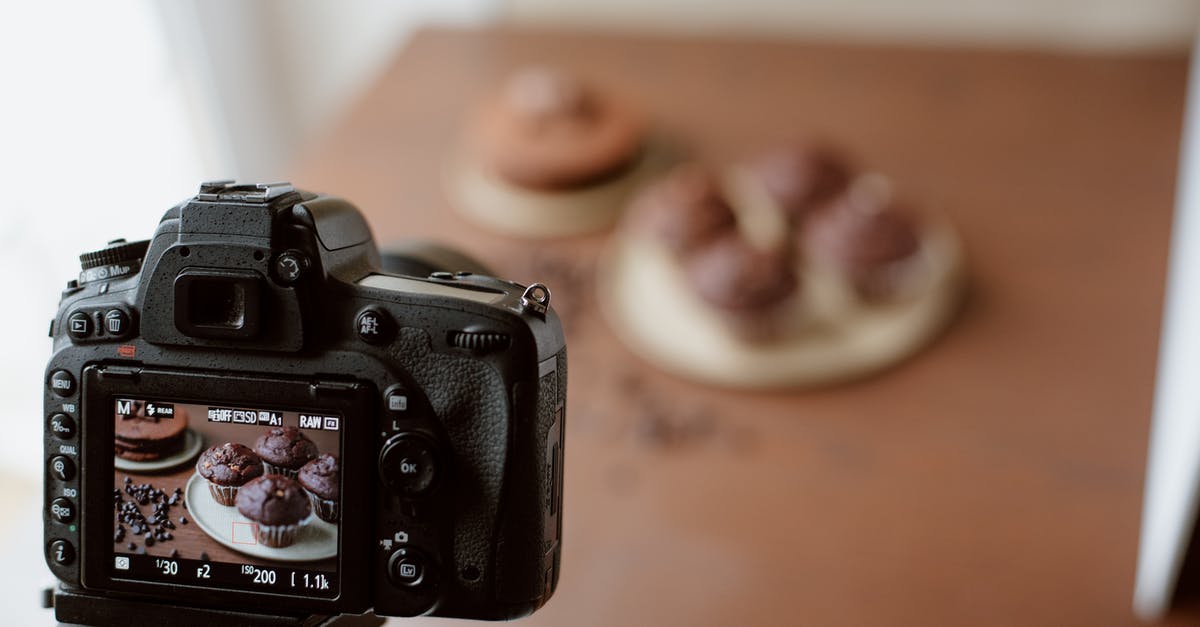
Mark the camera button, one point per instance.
(62, 468)
(62, 383)
(373, 326)
(62, 426)
(62, 510)
(408, 465)
(116, 323)
(79, 325)
(62, 552)
(396, 399)
(406, 567)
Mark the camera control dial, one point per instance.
(120, 258)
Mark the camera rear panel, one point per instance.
(446, 394)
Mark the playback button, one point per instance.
(79, 325)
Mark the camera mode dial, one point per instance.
(120, 258)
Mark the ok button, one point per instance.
(408, 465)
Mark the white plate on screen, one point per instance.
(192, 443)
(316, 540)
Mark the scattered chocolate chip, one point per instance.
(149, 540)
(175, 553)
(183, 520)
(204, 557)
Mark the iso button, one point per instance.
(408, 465)
(62, 510)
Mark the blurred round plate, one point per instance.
(316, 539)
(192, 443)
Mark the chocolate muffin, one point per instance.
(278, 506)
(545, 129)
(228, 467)
(284, 450)
(746, 284)
(140, 438)
(685, 210)
(322, 480)
(866, 237)
(801, 177)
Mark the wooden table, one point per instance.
(995, 479)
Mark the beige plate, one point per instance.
(511, 210)
(316, 540)
(649, 302)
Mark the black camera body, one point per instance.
(258, 314)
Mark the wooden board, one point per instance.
(994, 479)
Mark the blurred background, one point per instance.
(113, 111)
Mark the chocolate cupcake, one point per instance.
(749, 286)
(284, 450)
(277, 505)
(685, 210)
(322, 480)
(801, 177)
(546, 129)
(866, 238)
(142, 438)
(227, 467)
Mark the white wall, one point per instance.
(272, 75)
(1089, 24)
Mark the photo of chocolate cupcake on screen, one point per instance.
(152, 436)
(264, 494)
(550, 153)
(788, 269)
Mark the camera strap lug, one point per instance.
(536, 299)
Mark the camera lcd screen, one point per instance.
(226, 496)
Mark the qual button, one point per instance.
(62, 468)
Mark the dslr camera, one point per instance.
(248, 414)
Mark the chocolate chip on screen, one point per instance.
(204, 556)
(157, 528)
